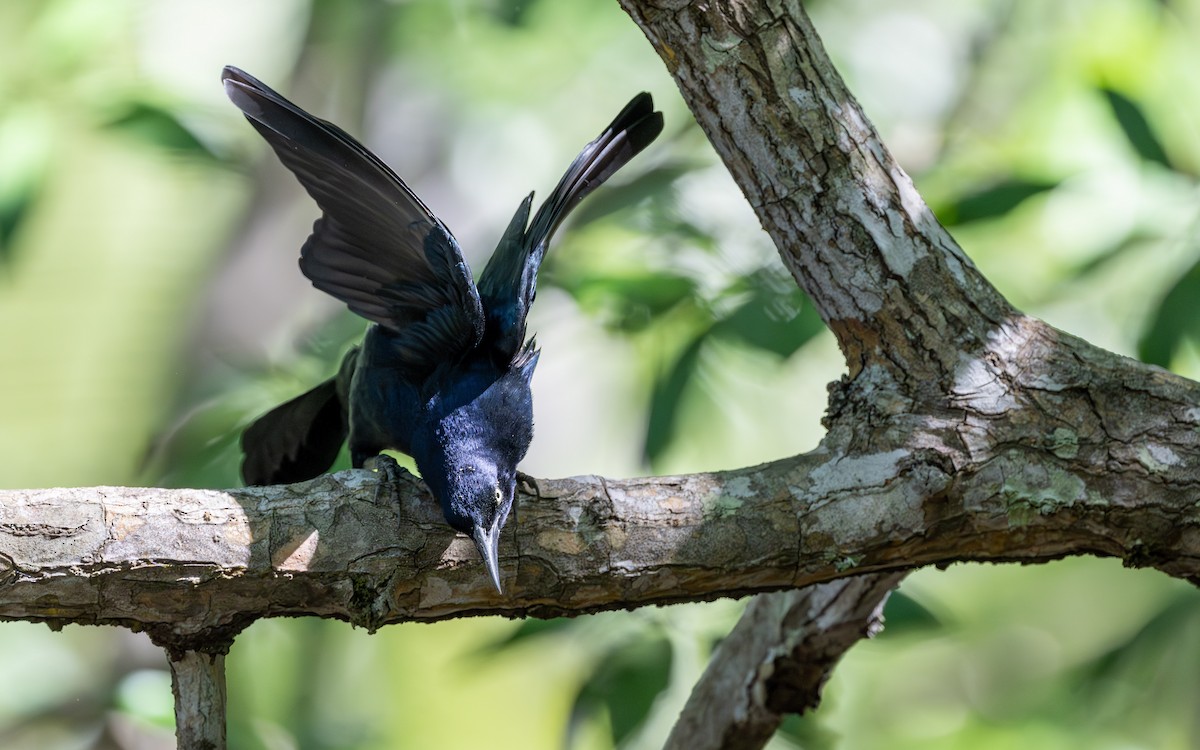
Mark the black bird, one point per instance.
(444, 370)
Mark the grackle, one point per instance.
(443, 373)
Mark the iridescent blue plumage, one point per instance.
(444, 371)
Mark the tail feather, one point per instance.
(297, 440)
(632, 130)
(509, 281)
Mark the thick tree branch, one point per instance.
(777, 660)
(194, 567)
(963, 431)
(998, 408)
(846, 218)
(940, 365)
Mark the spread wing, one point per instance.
(377, 247)
(509, 281)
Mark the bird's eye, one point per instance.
(468, 469)
(499, 496)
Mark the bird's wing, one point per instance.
(509, 282)
(377, 247)
(297, 440)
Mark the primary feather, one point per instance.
(444, 372)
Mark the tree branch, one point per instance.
(940, 365)
(776, 660)
(198, 682)
(847, 221)
(194, 567)
(963, 431)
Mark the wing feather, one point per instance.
(377, 247)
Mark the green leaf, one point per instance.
(156, 126)
(200, 450)
(1177, 318)
(667, 397)
(1136, 240)
(146, 695)
(15, 205)
(808, 732)
(654, 183)
(625, 683)
(1136, 127)
(992, 201)
(1148, 657)
(513, 13)
(530, 628)
(777, 318)
(26, 147)
(629, 301)
(902, 615)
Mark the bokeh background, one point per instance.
(150, 306)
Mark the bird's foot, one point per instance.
(387, 483)
(528, 484)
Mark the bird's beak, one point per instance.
(487, 541)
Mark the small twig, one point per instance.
(198, 682)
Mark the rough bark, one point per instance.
(776, 660)
(964, 430)
(198, 682)
(194, 567)
(941, 367)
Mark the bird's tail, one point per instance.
(300, 439)
(632, 130)
(509, 281)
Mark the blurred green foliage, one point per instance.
(150, 306)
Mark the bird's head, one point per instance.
(478, 433)
(477, 500)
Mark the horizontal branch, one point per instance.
(193, 567)
(965, 431)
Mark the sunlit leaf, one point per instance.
(160, 128)
(200, 447)
(1136, 127)
(629, 301)
(1177, 318)
(992, 201)
(1146, 645)
(15, 205)
(146, 694)
(626, 683)
(530, 628)
(25, 149)
(200, 450)
(667, 397)
(1132, 241)
(808, 732)
(777, 320)
(513, 13)
(616, 197)
(670, 225)
(902, 615)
